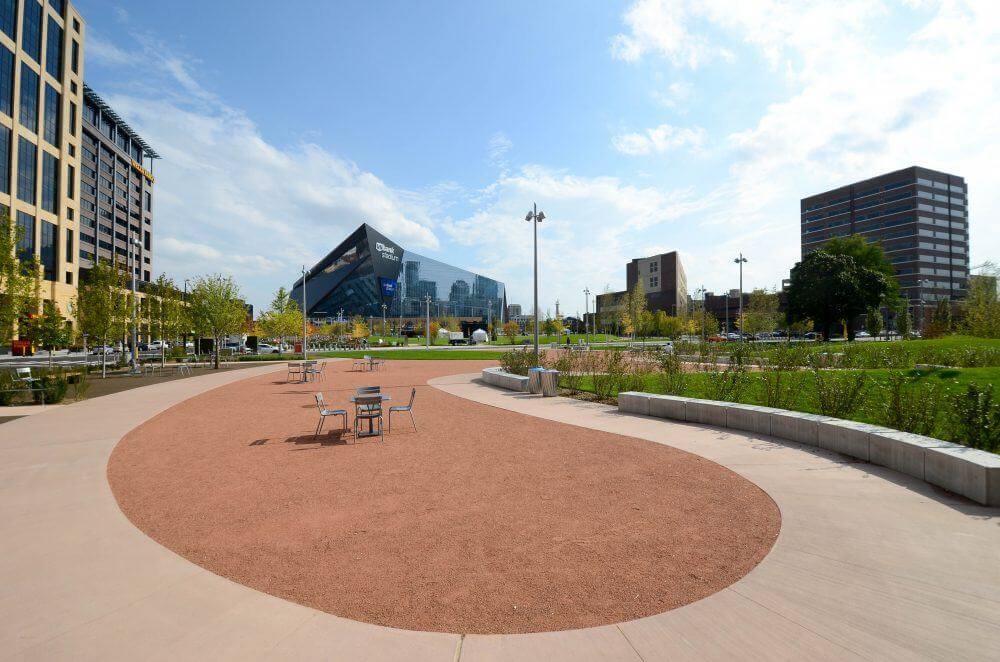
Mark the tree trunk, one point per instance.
(104, 358)
(217, 350)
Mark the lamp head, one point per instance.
(540, 216)
(529, 216)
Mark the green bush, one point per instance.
(903, 405)
(671, 377)
(838, 394)
(518, 361)
(975, 419)
(54, 385)
(7, 395)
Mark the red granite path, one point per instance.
(482, 521)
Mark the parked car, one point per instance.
(157, 345)
(716, 338)
(266, 348)
(812, 335)
(104, 349)
(732, 336)
(862, 334)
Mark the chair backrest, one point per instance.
(413, 394)
(24, 373)
(372, 403)
(319, 402)
(363, 390)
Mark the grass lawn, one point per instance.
(418, 354)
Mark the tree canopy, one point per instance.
(869, 256)
(19, 280)
(216, 309)
(831, 288)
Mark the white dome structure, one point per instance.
(442, 333)
(479, 335)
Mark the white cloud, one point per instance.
(500, 144)
(229, 200)
(594, 226)
(660, 139)
(675, 96)
(661, 26)
(862, 100)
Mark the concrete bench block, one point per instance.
(669, 406)
(707, 412)
(634, 403)
(497, 377)
(967, 471)
(797, 426)
(845, 437)
(902, 451)
(751, 418)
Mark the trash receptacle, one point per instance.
(550, 383)
(535, 380)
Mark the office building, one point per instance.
(370, 275)
(919, 216)
(116, 191)
(663, 281)
(41, 97)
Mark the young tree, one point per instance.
(635, 306)
(868, 256)
(511, 330)
(827, 288)
(940, 320)
(19, 281)
(873, 321)
(982, 307)
(216, 309)
(904, 323)
(165, 311)
(760, 313)
(669, 326)
(102, 306)
(549, 326)
(283, 318)
(49, 330)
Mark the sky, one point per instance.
(637, 127)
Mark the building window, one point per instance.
(53, 50)
(26, 242)
(27, 157)
(69, 245)
(31, 39)
(72, 119)
(149, 201)
(29, 98)
(145, 240)
(654, 267)
(8, 18)
(50, 183)
(69, 277)
(654, 281)
(5, 135)
(51, 122)
(70, 182)
(48, 250)
(6, 81)
(74, 58)
(58, 5)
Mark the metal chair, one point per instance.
(315, 369)
(368, 408)
(24, 377)
(408, 408)
(294, 370)
(324, 412)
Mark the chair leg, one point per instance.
(390, 421)
(319, 426)
(410, 412)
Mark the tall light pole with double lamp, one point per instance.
(535, 217)
(740, 261)
(133, 247)
(305, 316)
(586, 311)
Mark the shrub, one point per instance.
(81, 384)
(7, 394)
(904, 405)
(611, 374)
(671, 378)
(975, 419)
(517, 361)
(838, 394)
(54, 385)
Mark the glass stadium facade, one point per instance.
(368, 270)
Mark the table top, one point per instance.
(382, 396)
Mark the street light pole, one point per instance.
(703, 316)
(305, 315)
(383, 320)
(535, 217)
(427, 320)
(740, 261)
(586, 312)
(133, 244)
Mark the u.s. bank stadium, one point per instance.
(368, 271)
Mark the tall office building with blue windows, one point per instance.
(920, 217)
(41, 93)
(369, 275)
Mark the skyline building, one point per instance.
(920, 217)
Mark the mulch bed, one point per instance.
(481, 521)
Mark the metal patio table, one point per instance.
(371, 424)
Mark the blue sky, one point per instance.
(637, 126)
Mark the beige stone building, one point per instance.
(41, 96)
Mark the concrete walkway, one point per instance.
(868, 564)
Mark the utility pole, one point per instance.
(703, 316)
(727, 313)
(586, 303)
(305, 315)
(489, 319)
(383, 320)
(740, 261)
(535, 217)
